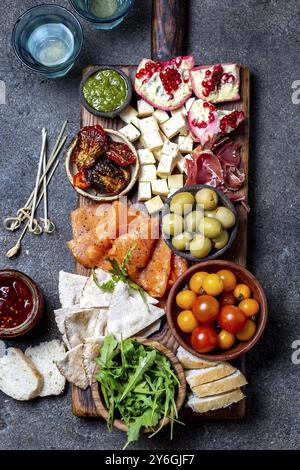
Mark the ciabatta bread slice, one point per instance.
(44, 357)
(189, 361)
(215, 402)
(19, 378)
(223, 385)
(201, 376)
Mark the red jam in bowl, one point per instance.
(21, 303)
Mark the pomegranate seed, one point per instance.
(225, 77)
(205, 92)
(231, 78)
(194, 122)
(205, 104)
(212, 107)
(204, 83)
(208, 73)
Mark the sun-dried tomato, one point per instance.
(120, 153)
(92, 141)
(107, 176)
(79, 180)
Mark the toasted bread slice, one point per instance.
(189, 361)
(215, 402)
(19, 378)
(223, 385)
(44, 357)
(202, 376)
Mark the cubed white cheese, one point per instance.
(160, 187)
(161, 116)
(165, 166)
(144, 109)
(152, 140)
(174, 125)
(189, 103)
(175, 181)
(181, 110)
(180, 164)
(184, 131)
(144, 191)
(157, 154)
(154, 205)
(130, 132)
(148, 124)
(170, 148)
(172, 191)
(147, 173)
(128, 114)
(145, 157)
(185, 144)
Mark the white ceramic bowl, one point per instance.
(92, 193)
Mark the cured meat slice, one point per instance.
(178, 267)
(154, 278)
(205, 168)
(120, 153)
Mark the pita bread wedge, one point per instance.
(69, 288)
(71, 367)
(127, 315)
(85, 324)
(150, 330)
(91, 350)
(62, 313)
(91, 295)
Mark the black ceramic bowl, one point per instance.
(111, 114)
(223, 201)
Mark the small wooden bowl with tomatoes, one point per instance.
(217, 310)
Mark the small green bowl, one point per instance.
(109, 114)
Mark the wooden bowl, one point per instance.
(243, 276)
(223, 201)
(181, 394)
(92, 193)
(110, 114)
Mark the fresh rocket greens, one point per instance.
(119, 274)
(138, 386)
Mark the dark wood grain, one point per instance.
(83, 403)
(168, 28)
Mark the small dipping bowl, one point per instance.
(48, 39)
(103, 14)
(21, 303)
(97, 70)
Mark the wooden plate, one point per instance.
(91, 193)
(100, 405)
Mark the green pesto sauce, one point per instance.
(105, 91)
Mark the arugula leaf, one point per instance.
(144, 364)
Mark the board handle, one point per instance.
(168, 28)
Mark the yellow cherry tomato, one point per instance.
(185, 299)
(225, 339)
(228, 278)
(247, 332)
(242, 291)
(213, 284)
(186, 321)
(249, 307)
(196, 281)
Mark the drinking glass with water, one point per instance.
(102, 14)
(48, 40)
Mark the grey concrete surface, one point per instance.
(265, 36)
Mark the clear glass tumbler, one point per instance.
(102, 14)
(48, 39)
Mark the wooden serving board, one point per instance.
(82, 401)
(167, 38)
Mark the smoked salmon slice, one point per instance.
(154, 277)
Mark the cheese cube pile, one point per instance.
(162, 159)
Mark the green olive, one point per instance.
(225, 216)
(209, 213)
(220, 241)
(207, 198)
(181, 242)
(192, 221)
(182, 203)
(172, 224)
(200, 246)
(211, 227)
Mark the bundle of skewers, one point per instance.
(27, 214)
